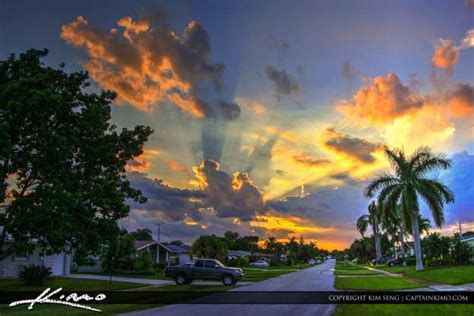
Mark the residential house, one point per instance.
(248, 256)
(164, 253)
(11, 264)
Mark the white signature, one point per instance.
(70, 300)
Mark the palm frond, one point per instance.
(431, 162)
(380, 182)
(397, 159)
(444, 191)
(434, 202)
(362, 224)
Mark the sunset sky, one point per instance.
(270, 117)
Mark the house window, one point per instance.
(20, 256)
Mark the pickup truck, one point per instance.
(204, 269)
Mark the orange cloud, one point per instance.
(291, 224)
(142, 162)
(173, 165)
(446, 55)
(383, 100)
(147, 65)
(460, 101)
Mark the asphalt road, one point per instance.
(317, 278)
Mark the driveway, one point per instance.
(317, 278)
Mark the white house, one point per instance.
(60, 264)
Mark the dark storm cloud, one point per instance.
(309, 161)
(354, 147)
(230, 195)
(283, 82)
(170, 203)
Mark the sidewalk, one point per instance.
(155, 282)
(121, 279)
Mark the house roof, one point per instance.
(142, 244)
(238, 253)
(175, 248)
(467, 239)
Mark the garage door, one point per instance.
(56, 263)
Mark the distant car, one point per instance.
(204, 269)
(380, 260)
(355, 260)
(259, 263)
(394, 261)
(311, 262)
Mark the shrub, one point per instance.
(34, 274)
(237, 262)
(462, 252)
(411, 261)
(144, 262)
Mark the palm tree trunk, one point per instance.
(402, 244)
(378, 249)
(416, 239)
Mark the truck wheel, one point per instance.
(181, 279)
(228, 280)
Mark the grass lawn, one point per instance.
(260, 273)
(84, 285)
(374, 283)
(348, 266)
(68, 284)
(446, 275)
(356, 272)
(403, 309)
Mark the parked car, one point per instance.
(204, 269)
(394, 261)
(312, 262)
(380, 260)
(259, 263)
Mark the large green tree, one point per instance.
(63, 180)
(407, 183)
(374, 219)
(210, 246)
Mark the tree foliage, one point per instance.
(62, 164)
(409, 182)
(210, 246)
(142, 234)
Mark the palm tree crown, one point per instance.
(408, 182)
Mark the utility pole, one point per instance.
(159, 229)
(460, 230)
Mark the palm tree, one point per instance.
(407, 183)
(374, 219)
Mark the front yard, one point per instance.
(91, 285)
(374, 283)
(445, 275)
